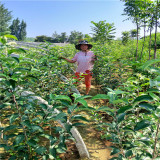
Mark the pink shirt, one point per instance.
(84, 61)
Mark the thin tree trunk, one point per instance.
(150, 43)
(155, 42)
(137, 41)
(150, 37)
(144, 38)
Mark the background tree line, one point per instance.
(145, 14)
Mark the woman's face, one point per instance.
(84, 47)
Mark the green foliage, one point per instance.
(130, 88)
(74, 37)
(43, 38)
(103, 31)
(5, 18)
(125, 37)
(30, 130)
(135, 114)
(18, 29)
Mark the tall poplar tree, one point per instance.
(5, 18)
(22, 33)
(15, 27)
(18, 29)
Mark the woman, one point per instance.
(85, 61)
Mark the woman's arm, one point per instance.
(94, 58)
(68, 60)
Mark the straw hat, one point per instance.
(78, 46)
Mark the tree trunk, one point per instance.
(150, 43)
(143, 38)
(155, 42)
(137, 41)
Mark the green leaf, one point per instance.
(40, 150)
(63, 97)
(19, 139)
(143, 98)
(123, 109)
(46, 157)
(11, 36)
(3, 75)
(52, 153)
(5, 105)
(147, 106)
(10, 136)
(16, 50)
(154, 96)
(108, 110)
(13, 117)
(141, 125)
(60, 116)
(128, 153)
(12, 83)
(27, 123)
(148, 63)
(12, 158)
(115, 150)
(32, 143)
(44, 106)
(82, 101)
(16, 59)
(155, 90)
(61, 150)
(11, 127)
(146, 141)
(78, 124)
(79, 117)
(121, 117)
(36, 128)
(114, 158)
(100, 96)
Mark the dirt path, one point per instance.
(98, 149)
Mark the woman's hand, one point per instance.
(68, 60)
(95, 58)
(61, 57)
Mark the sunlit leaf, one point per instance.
(11, 36)
(63, 97)
(150, 62)
(100, 96)
(16, 50)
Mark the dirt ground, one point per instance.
(98, 148)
